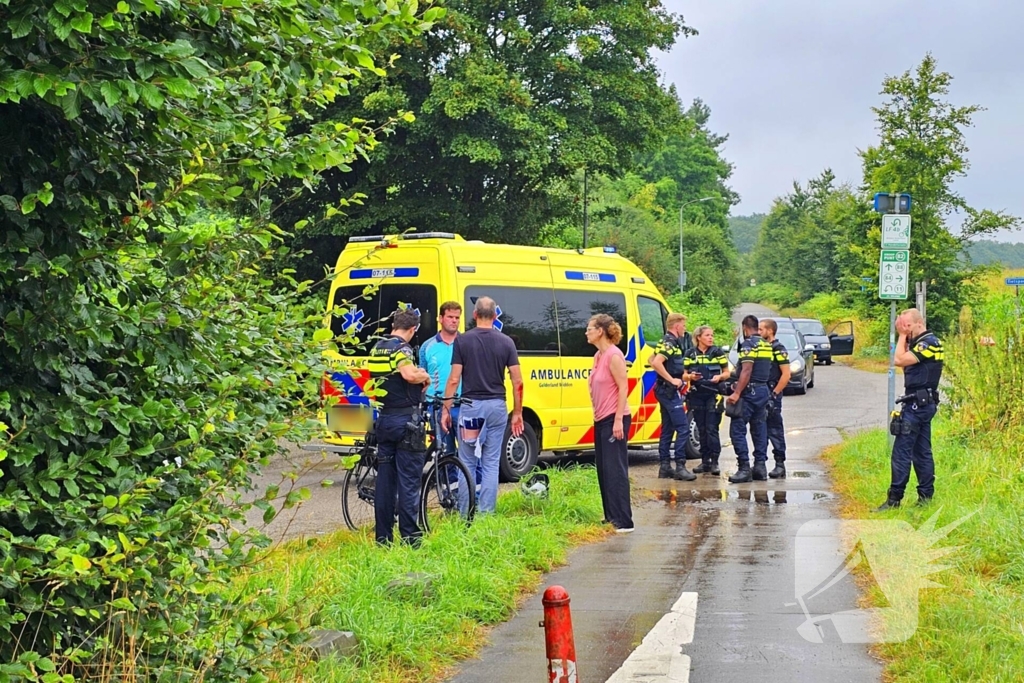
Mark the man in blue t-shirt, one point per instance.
(436, 359)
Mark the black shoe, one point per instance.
(715, 469)
(683, 474)
(702, 468)
(760, 472)
(889, 504)
(742, 476)
(779, 472)
(665, 471)
(921, 502)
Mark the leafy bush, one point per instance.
(150, 363)
(985, 367)
(773, 295)
(706, 313)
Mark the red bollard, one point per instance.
(558, 636)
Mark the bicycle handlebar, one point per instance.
(440, 400)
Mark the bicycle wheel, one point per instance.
(440, 495)
(357, 494)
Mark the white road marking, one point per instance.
(659, 657)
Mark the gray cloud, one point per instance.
(792, 82)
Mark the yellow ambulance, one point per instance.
(545, 298)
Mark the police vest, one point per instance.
(780, 357)
(671, 347)
(756, 350)
(926, 373)
(707, 364)
(386, 357)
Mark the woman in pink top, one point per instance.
(608, 393)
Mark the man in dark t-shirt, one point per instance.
(479, 360)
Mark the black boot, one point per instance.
(704, 466)
(889, 504)
(760, 472)
(715, 469)
(742, 475)
(665, 471)
(683, 474)
(780, 470)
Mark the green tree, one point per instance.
(799, 241)
(985, 252)
(510, 98)
(150, 360)
(745, 231)
(921, 150)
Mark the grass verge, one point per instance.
(478, 575)
(971, 628)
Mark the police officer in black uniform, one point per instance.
(755, 358)
(667, 362)
(711, 364)
(778, 378)
(401, 445)
(919, 352)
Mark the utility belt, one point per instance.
(665, 389)
(408, 410)
(415, 438)
(923, 396)
(919, 398)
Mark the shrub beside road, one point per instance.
(467, 580)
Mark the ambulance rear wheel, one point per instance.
(519, 453)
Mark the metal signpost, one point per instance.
(893, 270)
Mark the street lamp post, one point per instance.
(682, 273)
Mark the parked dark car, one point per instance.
(837, 342)
(801, 359)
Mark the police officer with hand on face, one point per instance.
(667, 362)
(401, 434)
(920, 354)
(778, 378)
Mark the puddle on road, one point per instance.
(747, 496)
(802, 474)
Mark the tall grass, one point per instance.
(973, 627)
(477, 575)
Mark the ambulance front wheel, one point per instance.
(519, 453)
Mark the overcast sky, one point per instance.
(792, 83)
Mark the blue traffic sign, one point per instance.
(1018, 281)
(892, 203)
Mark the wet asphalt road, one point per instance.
(733, 546)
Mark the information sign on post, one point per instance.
(895, 231)
(894, 274)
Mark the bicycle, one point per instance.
(439, 491)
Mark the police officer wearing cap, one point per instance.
(919, 352)
(667, 362)
(778, 378)
(711, 365)
(755, 357)
(401, 443)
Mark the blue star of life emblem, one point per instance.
(352, 319)
(497, 319)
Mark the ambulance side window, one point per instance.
(525, 314)
(368, 315)
(574, 310)
(652, 317)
